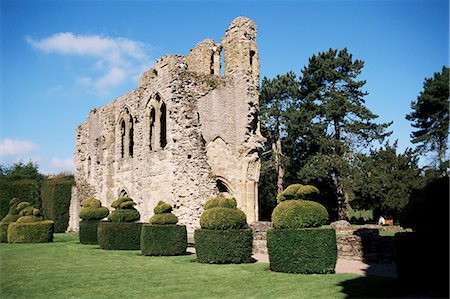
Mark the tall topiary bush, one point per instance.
(223, 237)
(55, 195)
(162, 236)
(91, 214)
(296, 243)
(121, 232)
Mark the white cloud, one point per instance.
(62, 165)
(14, 147)
(116, 59)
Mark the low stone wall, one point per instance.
(359, 243)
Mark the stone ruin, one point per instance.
(188, 132)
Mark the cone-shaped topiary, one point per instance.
(124, 211)
(93, 210)
(298, 191)
(221, 213)
(163, 214)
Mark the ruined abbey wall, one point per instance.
(186, 134)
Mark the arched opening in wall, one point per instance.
(122, 138)
(224, 190)
(252, 55)
(152, 128)
(123, 193)
(131, 138)
(163, 136)
(211, 66)
(89, 167)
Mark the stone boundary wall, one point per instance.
(361, 243)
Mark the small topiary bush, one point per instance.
(91, 213)
(13, 212)
(162, 236)
(302, 251)
(233, 246)
(221, 213)
(124, 211)
(299, 214)
(223, 237)
(119, 235)
(299, 191)
(34, 232)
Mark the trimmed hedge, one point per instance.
(124, 211)
(88, 231)
(36, 232)
(27, 189)
(165, 240)
(232, 246)
(221, 202)
(4, 232)
(119, 235)
(55, 195)
(164, 219)
(299, 192)
(302, 251)
(299, 214)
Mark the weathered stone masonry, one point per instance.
(186, 134)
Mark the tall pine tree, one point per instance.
(329, 84)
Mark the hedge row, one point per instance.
(55, 196)
(3, 232)
(231, 246)
(119, 235)
(25, 189)
(36, 232)
(88, 231)
(163, 240)
(302, 250)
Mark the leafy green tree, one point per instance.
(430, 116)
(329, 85)
(385, 180)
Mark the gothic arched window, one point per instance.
(157, 123)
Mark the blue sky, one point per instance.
(60, 59)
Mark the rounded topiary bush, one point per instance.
(299, 214)
(162, 236)
(223, 237)
(124, 211)
(121, 232)
(91, 214)
(299, 191)
(296, 244)
(12, 216)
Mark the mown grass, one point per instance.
(67, 269)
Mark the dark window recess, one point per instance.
(163, 137)
(122, 138)
(131, 140)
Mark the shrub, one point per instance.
(223, 218)
(299, 214)
(13, 212)
(93, 210)
(163, 219)
(165, 240)
(88, 231)
(119, 235)
(36, 232)
(224, 246)
(18, 187)
(124, 211)
(162, 208)
(302, 250)
(297, 192)
(56, 193)
(221, 202)
(4, 232)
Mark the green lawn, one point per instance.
(67, 269)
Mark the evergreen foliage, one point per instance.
(224, 246)
(119, 235)
(299, 214)
(93, 210)
(124, 211)
(163, 240)
(299, 192)
(163, 214)
(430, 116)
(55, 195)
(32, 232)
(304, 251)
(13, 212)
(220, 202)
(88, 231)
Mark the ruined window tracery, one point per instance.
(157, 123)
(126, 134)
